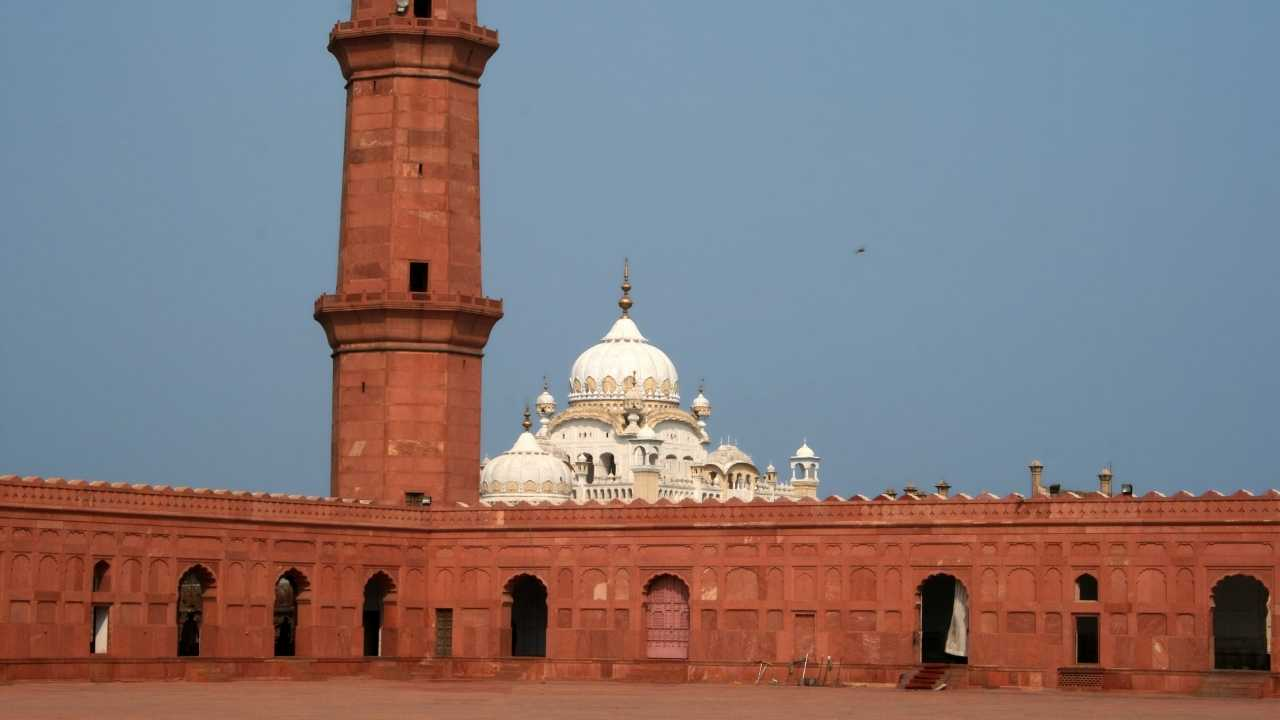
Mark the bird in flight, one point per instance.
(862, 250)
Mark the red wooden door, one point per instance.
(667, 619)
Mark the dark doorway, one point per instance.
(285, 616)
(422, 8)
(444, 632)
(102, 576)
(375, 595)
(1087, 588)
(1086, 639)
(528, 617)
(191, 590)
(1240, 624)
(101, 620)
(944, 619)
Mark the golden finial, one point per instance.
(527, 422)
(625, 303)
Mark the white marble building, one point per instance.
(624, 436)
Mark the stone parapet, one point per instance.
(412, 47)
(1210, 508)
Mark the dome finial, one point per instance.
(625, 302)
(546, 386)
(527, 422)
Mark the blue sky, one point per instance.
(1071, 212)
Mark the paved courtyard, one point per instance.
(366, 699)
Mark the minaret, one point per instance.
(409, 321)
(804, 471)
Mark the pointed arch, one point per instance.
(524, 597)
(158, 576)
(75, 573)
(101, 576)
(377, 590)
(666, 609)
(289, 587)
(1241, 608)
(944, 619)
(1086, 588)
(195, 586)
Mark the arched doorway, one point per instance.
(528, 599)
(666, 618)
(944, 620)
(101, 576)
(376, 591)
(1241, 631)
(192, 587)
(285, 617)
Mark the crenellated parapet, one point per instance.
(1066, 510)
(118, 498)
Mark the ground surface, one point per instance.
(366, 699)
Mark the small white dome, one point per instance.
(701, 401)
(727, 455)
(770, 468)
(646, 433)
(526, 472)
(624, 360)
(804, 451)
(546, 398)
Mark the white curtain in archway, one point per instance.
(958, 633)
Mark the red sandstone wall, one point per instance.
(754, 572)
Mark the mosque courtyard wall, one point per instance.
(412, 575)
(769, 582)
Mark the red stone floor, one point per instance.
(368, 699)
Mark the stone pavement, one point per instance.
(367, 699)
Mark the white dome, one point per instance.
(546, 398)
(701, 402)
(804, 452)
(624, 360)
(646, 433)
(727, 455)
(525, 472)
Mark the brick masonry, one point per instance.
(838, 576)
(766, 582)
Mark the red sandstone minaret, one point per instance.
(409, 321)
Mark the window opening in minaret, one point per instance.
(422, 8)
(417, 277)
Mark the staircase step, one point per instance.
(1234, 685)
(926, 677)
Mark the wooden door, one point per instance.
(667, 619)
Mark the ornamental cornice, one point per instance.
(77, 496)
(657, 415)
(600, 413)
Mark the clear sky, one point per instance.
(1071, 214)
